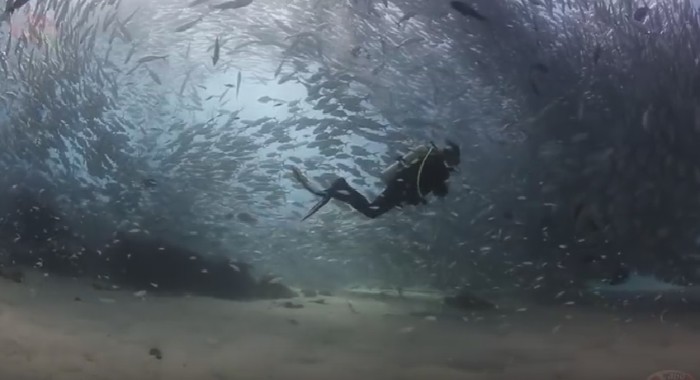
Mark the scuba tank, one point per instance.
(405, 161)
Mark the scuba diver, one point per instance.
(424, 170)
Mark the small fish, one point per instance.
(224, 94)
(246, 218)
(578, 210)
(379, 68)
(130, 53)
(279, 69)
(129, 17)
(384, 45)
(467, 10)
(646, 119)
(584, 219)
(187, 52)
(641, 14)
(234, 4)
(151, 58)
(356, 51)
(229, 85)
(405, 18)
(149, 183)
(184, 82)
(133, 69)
(196, 2)
(596, 54)
(409, 41)
(154, 76)
(620, 275)
(188, 25)
(541, 67)
(215, 58)
(238, 84)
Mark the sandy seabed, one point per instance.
(62, 329)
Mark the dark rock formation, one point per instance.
(465, 300)
(34, 235)
(143, 262)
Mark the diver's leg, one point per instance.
(342, 191)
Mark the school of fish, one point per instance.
(183, 119)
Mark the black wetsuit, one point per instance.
(402, 190)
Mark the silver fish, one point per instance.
(129, 54)
(187, 52)
(4, 64)
(184, 82)
(405, 18)
(151, 58)
(108, 21)
(154, 76)
(133, 69)
(238, 84)
(409, 41)
(188, 25)
(234, 4)
(224, 93)
(215, 58)
(124, 32)
(279, 68)
(9, 44)
(128, 18)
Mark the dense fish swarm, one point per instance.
(578, 121)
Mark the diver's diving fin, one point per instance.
(322, 202)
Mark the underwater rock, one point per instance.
(35, 236)
(466, 301)
(156, 353)
(246, 218)
(102, 285)
(143, 262)
(292, 305)
(38, 237)
(273, 290)
(32, 220)
(13, 274)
